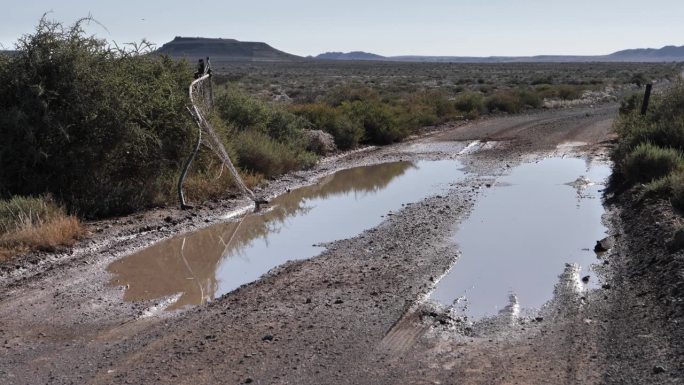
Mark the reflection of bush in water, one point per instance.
(164, 269)
(365, 180)
(360, 179)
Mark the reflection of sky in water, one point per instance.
(216, 260)
(521, 234)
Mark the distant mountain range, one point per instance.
(665, 54)
(223, 50)
(234, 50)
(356, 55)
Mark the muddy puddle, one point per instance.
(521, 234)
(197, 267)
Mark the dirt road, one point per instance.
(356, 314)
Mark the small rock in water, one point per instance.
(267, 337)
(658, 369)
(599, 248)
(603, 245)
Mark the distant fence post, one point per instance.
(647, 97)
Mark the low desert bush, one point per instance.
(529, 98)
(670, 187)
(259, 153)
(569, 92)
(631, 103)
(332, 120)
(350, 93)
(639, 79)
(662, 126)
(503, 101)
(470, 103)
(250, 114)
(648, 162)
(650, 147)
(379, 121)
(439, 103)
(559, 91)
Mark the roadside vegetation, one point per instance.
(650, 151)
(104, 129)
(381, 102)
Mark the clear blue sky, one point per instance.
(398, 27)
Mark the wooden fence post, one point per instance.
(647, 97)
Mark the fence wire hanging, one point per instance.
(201, 104)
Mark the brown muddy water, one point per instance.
(517, 243)
(197, 267)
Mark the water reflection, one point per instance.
(521, 235)
(216, 260)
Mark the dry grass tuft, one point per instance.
(35, 224)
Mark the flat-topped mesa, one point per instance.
(223, 50)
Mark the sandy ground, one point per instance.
(356, 314)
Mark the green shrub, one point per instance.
(96, 127)
(662, 134)
(559, 91)
(631, 103)
(471, 103)
(548, 79)
(378, 121)
(662, 126)
(650, 146)
(247, 113)
(668, 107)
(569, 92)
(658, 187)
(350, 93)
(503, 101)
(420, 115)
(648, 162)
(439, 104)
(267, 139)
(332, 120)
(639, 79)
(257, 152)
(529, 99)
